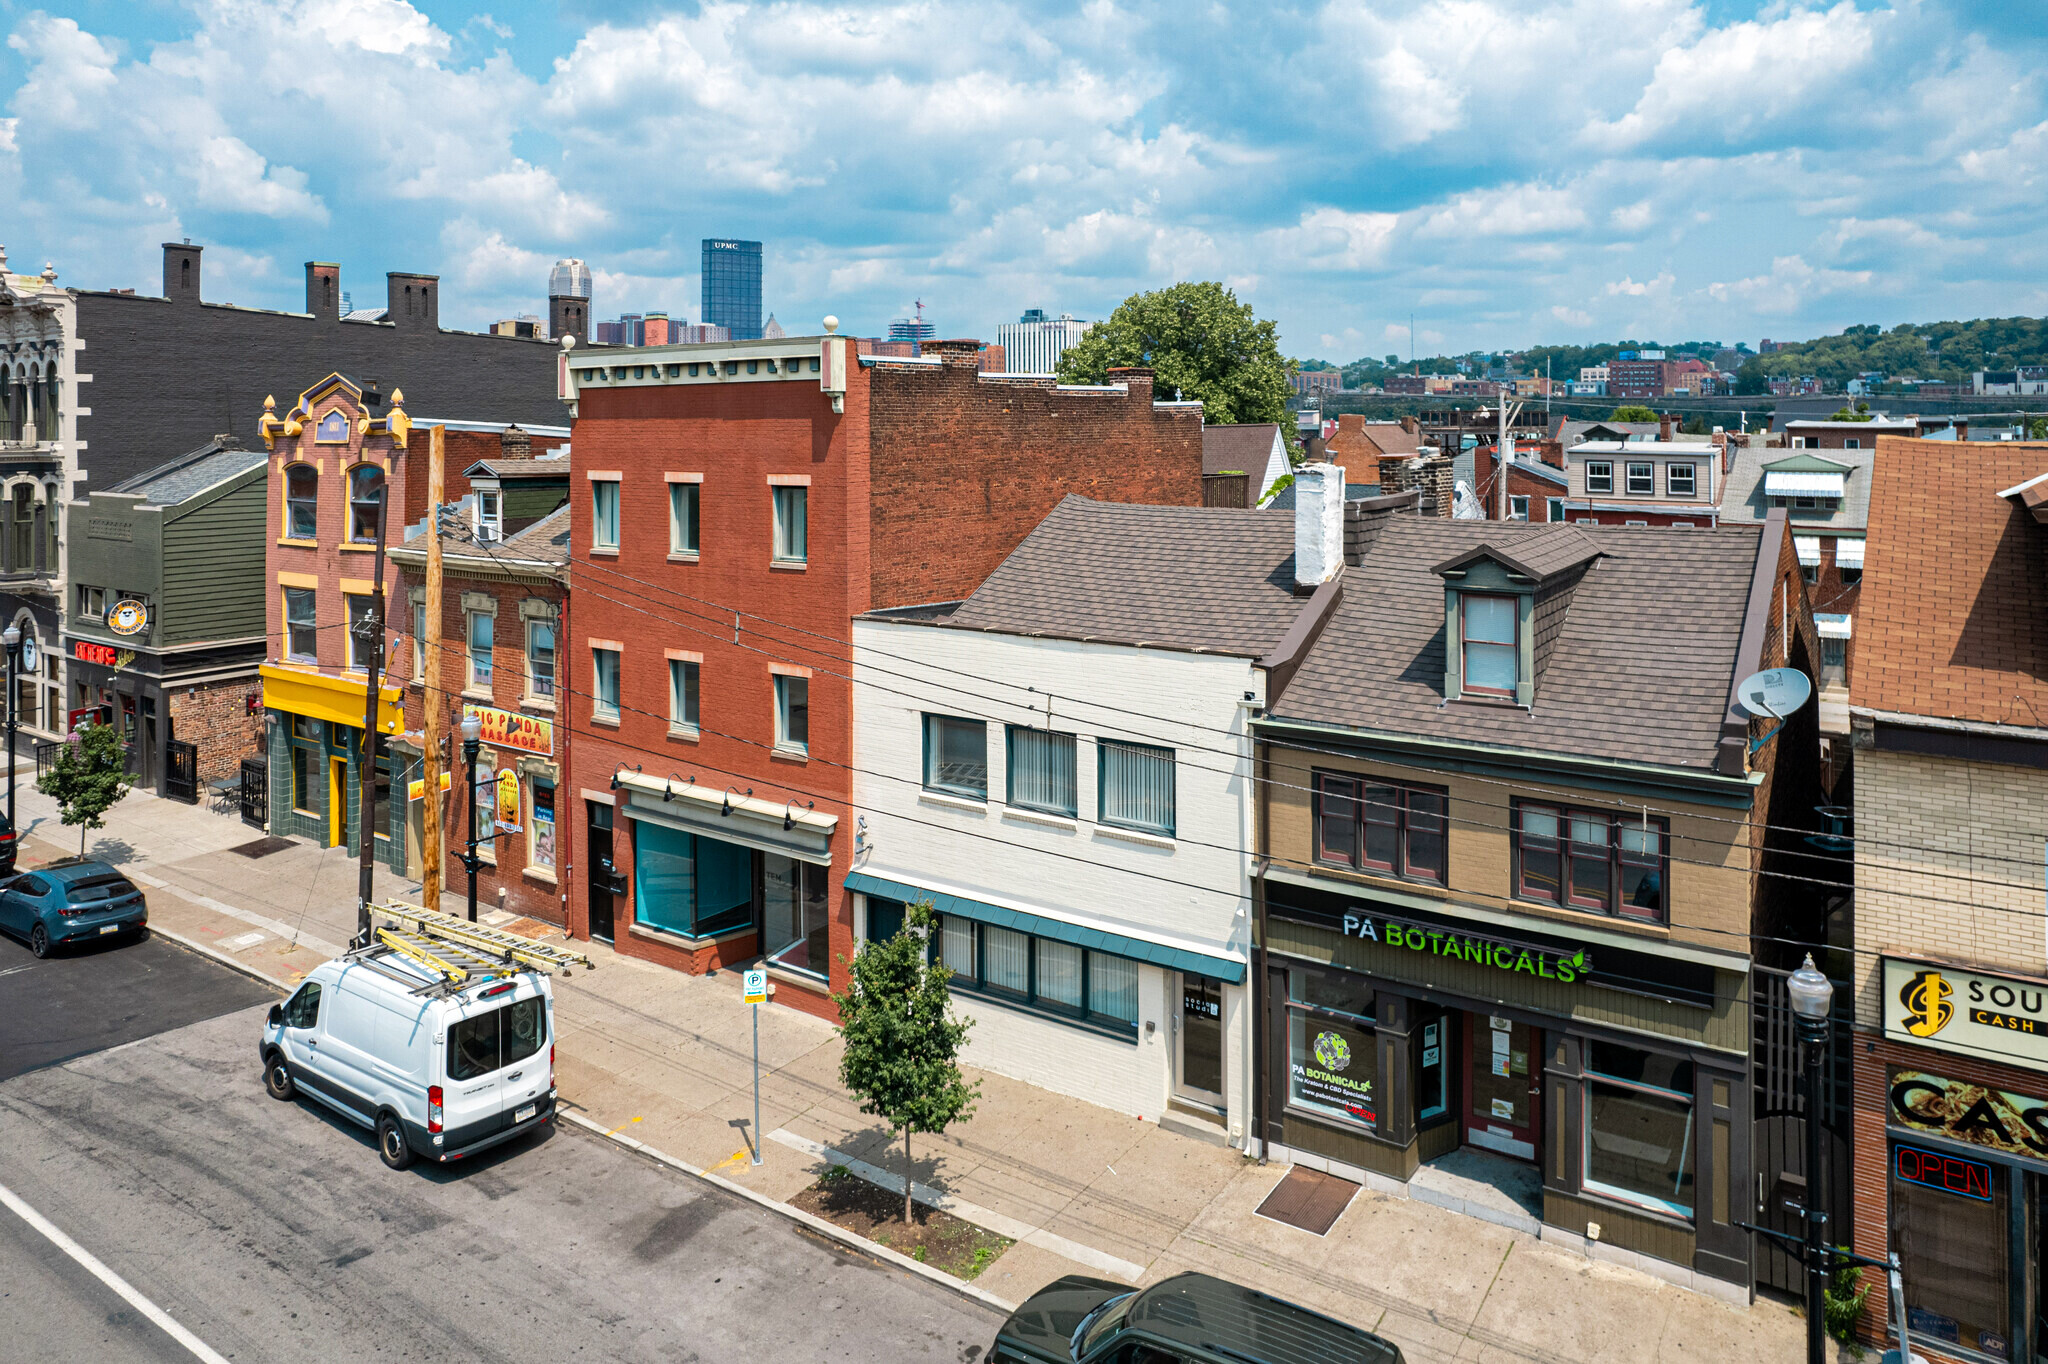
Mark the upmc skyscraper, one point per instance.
(732, 287)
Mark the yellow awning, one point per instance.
(335, 698)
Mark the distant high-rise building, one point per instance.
(1035, 347)
(1034, 315)
(914, 329)
(569, 300)
(773, 330)
(732, 287)
(656, 330)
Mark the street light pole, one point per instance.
(472, 734)
(1812, 994)
(11, 637)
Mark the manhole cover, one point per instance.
(1308, 1199)
(262, 847)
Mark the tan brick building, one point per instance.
(1949, 717)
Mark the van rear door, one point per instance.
(473, 1104)
(527, 1069)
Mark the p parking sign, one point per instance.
(756, 984)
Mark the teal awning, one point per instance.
(1158, 954)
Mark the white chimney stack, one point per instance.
(1318, 523)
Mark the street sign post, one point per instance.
(756, 985)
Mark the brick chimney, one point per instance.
(181, 272)
(1136, 378)
(1664, 426)
(956, 354)
(323, 289)
(1410, 423)
(515, 443)
(412, 302)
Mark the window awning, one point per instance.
(1807, 547)
(1226, 969)
(730, 817)
(1790, 484)
(1848, 553)
(1831, 625)
(337, 698)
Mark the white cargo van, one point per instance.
(437, 1067)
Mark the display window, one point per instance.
(1950, 1224)
(1332, 1049)
(1639, 1128)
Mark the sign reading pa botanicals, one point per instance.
(2004, 1018)
(1460, 946)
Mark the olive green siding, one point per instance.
(116, 545)
(527, 501)
(213, 564)
(1724, 1027)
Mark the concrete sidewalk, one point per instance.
(666, 1059)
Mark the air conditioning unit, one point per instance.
(487, 532)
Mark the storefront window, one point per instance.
(1332, 1052)
(540, 850)
(1949, 1226)
(1041, 973)
(794, 927)
(1639, 1128)
(1432, 1069)
(690, 885)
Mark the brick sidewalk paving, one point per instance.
(666, 1059)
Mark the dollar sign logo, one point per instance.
(1925, 998)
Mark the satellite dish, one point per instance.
(1775, 692)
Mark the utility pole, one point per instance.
(431, 853)
(370, 632)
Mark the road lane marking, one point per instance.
(199, 1348)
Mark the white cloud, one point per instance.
(390, 27)
(1790, 283)
(1632, 218)
(1626, 287)
(1575, 316)
(1509, 211)
(1332, 239)
(231, 174)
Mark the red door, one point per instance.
(1503, 1085)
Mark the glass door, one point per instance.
(1198, 1068)
(1503, 1087)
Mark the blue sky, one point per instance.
(1507, 171)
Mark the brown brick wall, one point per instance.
(217, 719)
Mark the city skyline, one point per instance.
(1710, 169)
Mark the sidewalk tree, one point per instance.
(902, 1055)
(1200, 343)
(88, 778)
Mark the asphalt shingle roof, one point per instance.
(1640, 670)
(189, 474)
(1218, 579)
(1743, 499)
(1241, 447)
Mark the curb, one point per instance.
(846, 1238)
(223, 958)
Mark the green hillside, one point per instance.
(1930, 350)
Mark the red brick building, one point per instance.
(733, 506)
(1638, 378)
(1537, 482)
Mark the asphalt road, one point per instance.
(271, 1231)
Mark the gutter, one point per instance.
(1731, 754)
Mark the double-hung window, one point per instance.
(1041, 770)
(792, 524)
(1136, 789)
(490, 514)
(362, 632)
(1591, 859)
(792, 713)
(1518, 509)
(604, 701)
(1640, 1142)
(1599, 476)
(956, 756)
(682, 517)
(1042, 973)
(540, 659)
(1372, 825)
(365, 503)
(1681, 480)
(604, 513)
(1491, 659)
(682, 694)
(301, 502)
(482, 634)
(302, 637)
(1642, 478)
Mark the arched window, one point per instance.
(365, 498)
(301, 502)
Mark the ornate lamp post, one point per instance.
(1812, 996)
(472, 735)
(11, 637)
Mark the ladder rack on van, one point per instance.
(457, 950)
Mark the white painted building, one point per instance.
(1062, 765)
(1036, 347)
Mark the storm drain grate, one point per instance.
(262, 847)
(1308, 1199)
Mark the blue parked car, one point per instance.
(71, 901)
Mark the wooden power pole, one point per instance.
(432, 855)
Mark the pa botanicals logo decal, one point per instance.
(1926, 1000)
(1332, 1051)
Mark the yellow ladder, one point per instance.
(456, 945)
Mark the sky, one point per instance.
(1502, 172)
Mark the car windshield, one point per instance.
(1102, 1323)
(100, 889)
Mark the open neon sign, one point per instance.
(1950, 1174)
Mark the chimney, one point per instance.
(1136, 378)
(956, 354)
(1962, 429)
(412, 302)
(514, 443)
(1664, 426)
(181, 272)
(1318, 525)
(1412, 425)
(323, 289)
(568, 316)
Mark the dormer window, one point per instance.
(1491, 655)
(490, 514)
(1642, 479)
(1599, 476)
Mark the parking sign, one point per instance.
(756, 987)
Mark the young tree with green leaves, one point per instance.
(902, 1048)
(88, 778)
(1632, 412)
(1200, 343)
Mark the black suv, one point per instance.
(1187, 1319)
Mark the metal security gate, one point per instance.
(1780, 1126)
(181, 771)
(256, 792)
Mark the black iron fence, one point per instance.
(255, 791)
(181, 771)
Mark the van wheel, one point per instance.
(278, 1080)
(391, 1143)
(39, 941)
